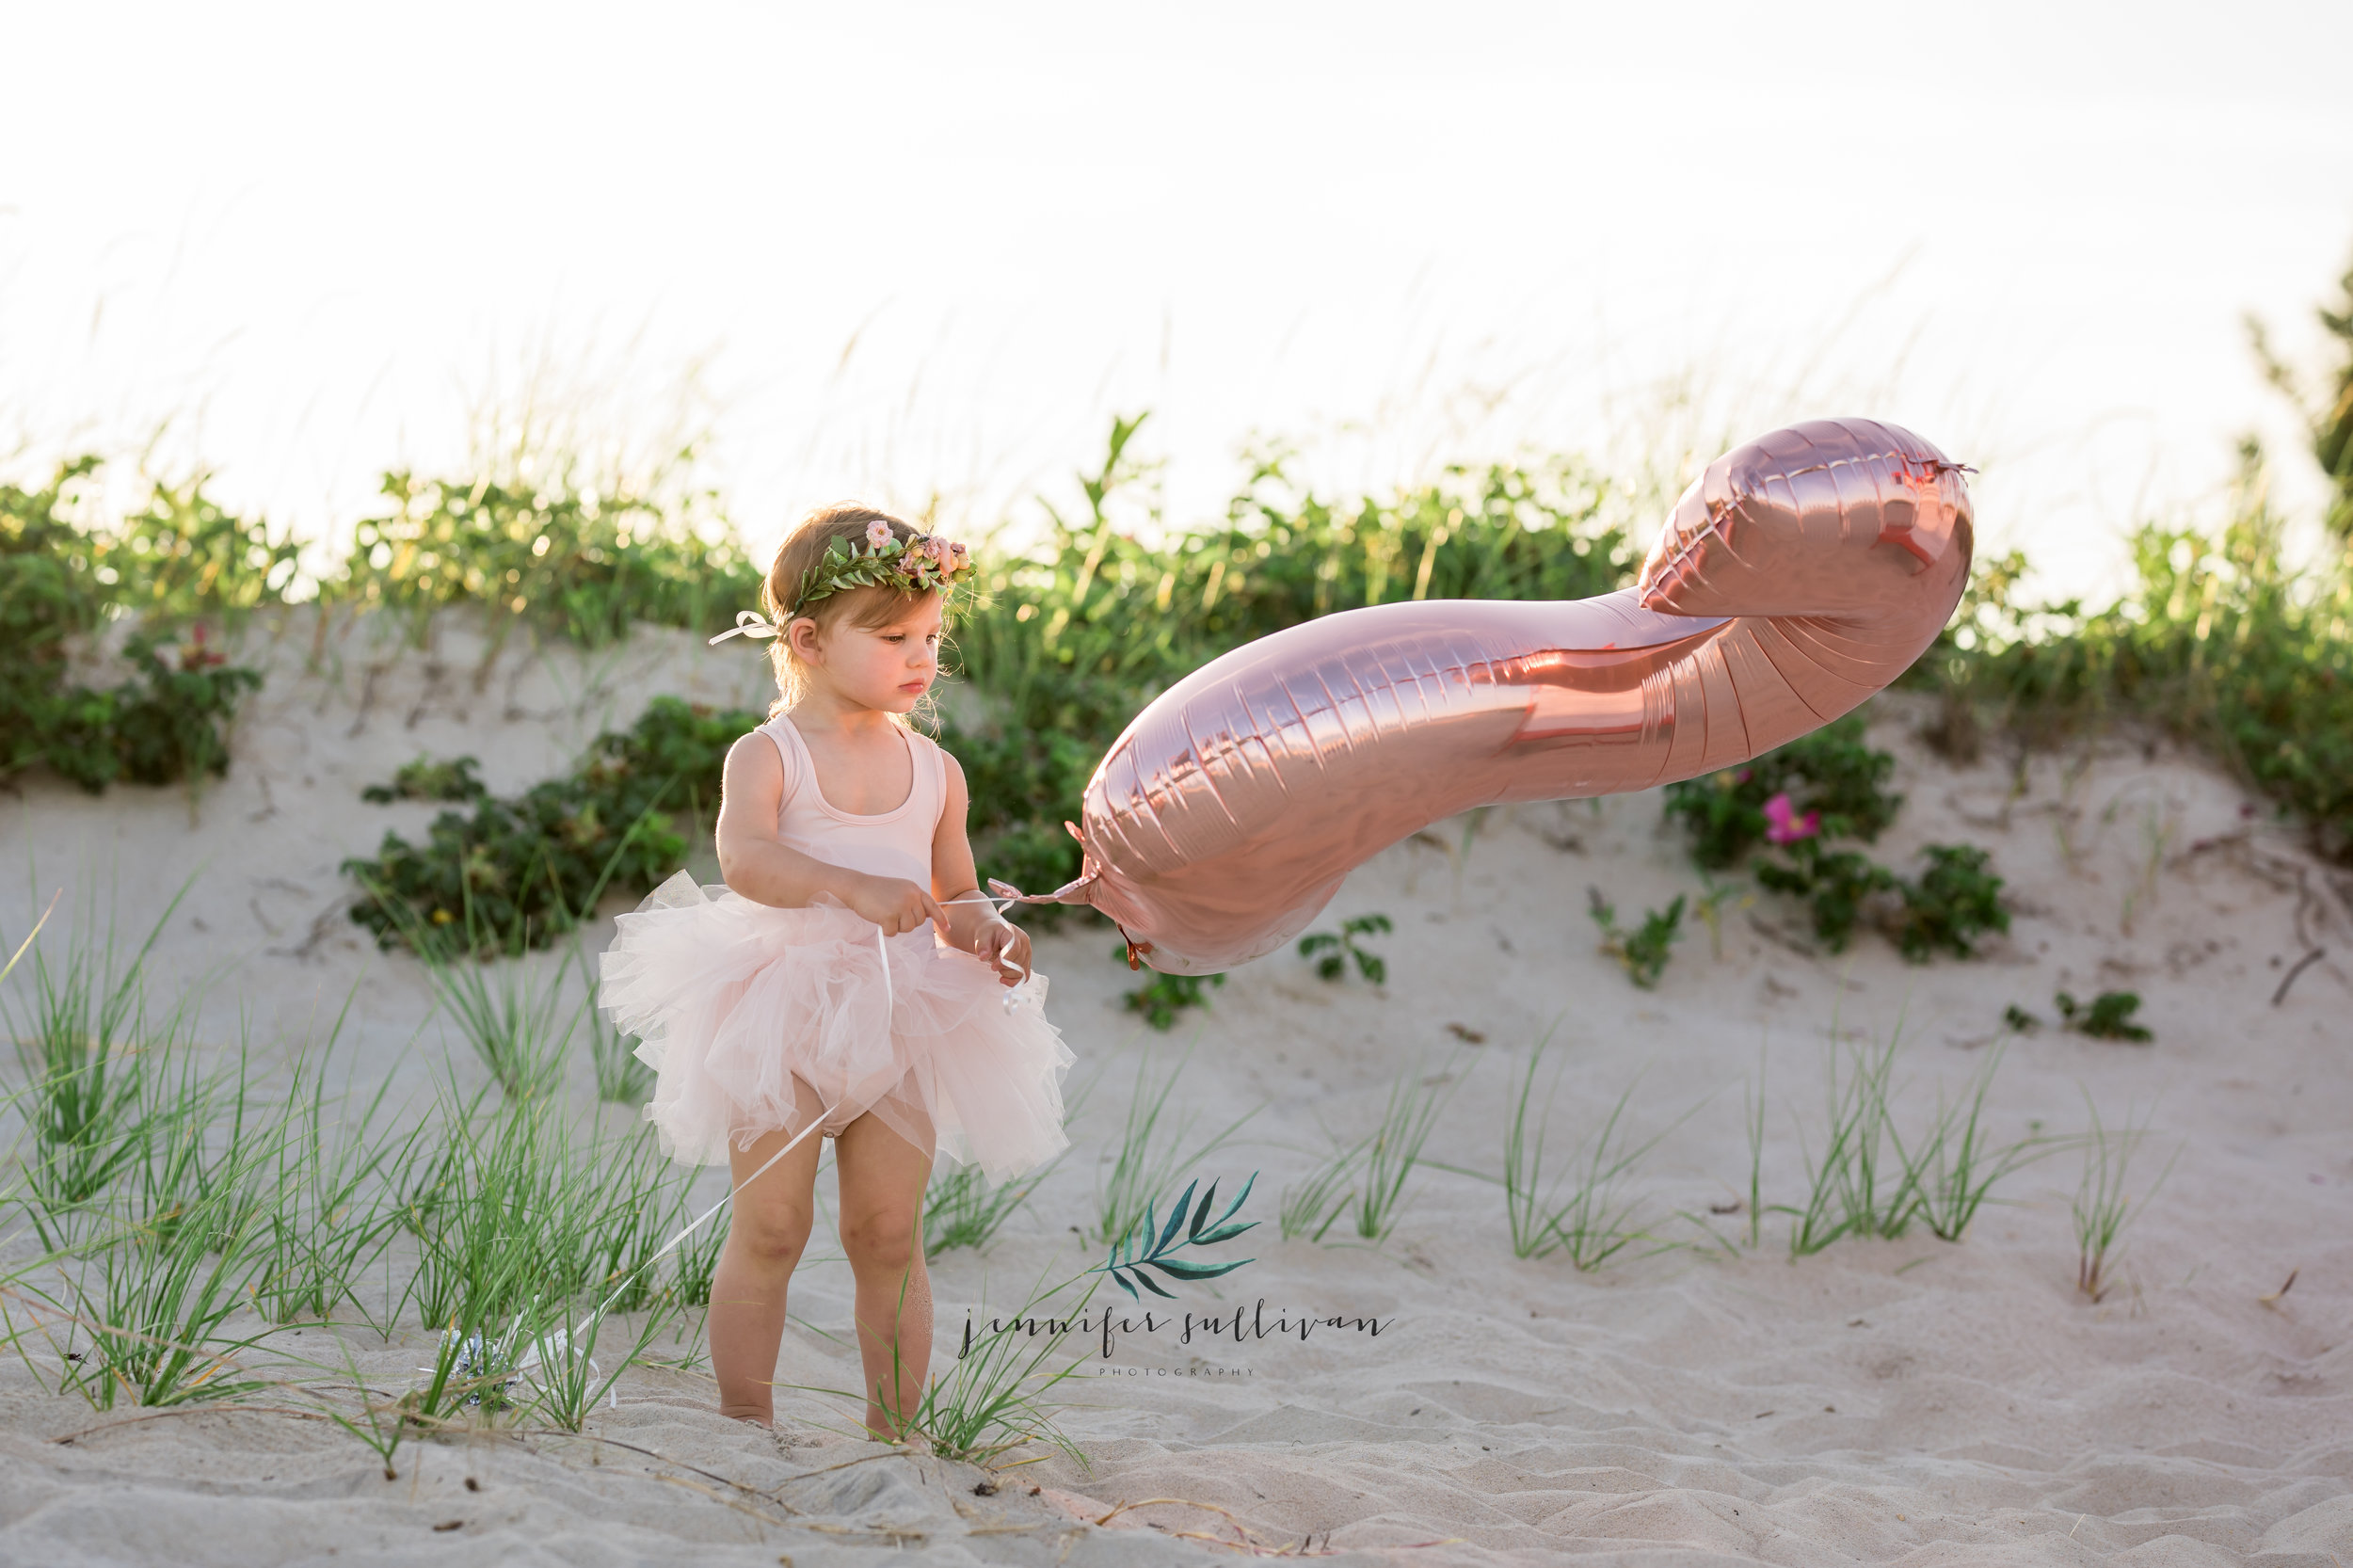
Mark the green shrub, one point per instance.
(574, 563)
(1835, 885)
(1338, 947)
(2106, 1016)
(168, 721)
(181, 555)
(425, 779)
(1831, 772)
(1643, 953)
(570, 561)
(2221, 641)
(1955, 901)
(1163, 996)
(518, 871)
(1823, 786)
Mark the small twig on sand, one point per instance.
(893, 1453)
(2314, 956)
(2272, 1301)
(726, 1501)
(661, 1458)
(194, 1410)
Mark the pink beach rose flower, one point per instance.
(1783, 825)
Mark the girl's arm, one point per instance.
(759, 868)
(977, 928)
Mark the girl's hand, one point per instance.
(1002, 943)
(894, 903)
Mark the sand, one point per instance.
(1909, 1402)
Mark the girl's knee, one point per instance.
(776, 1239)
(880, 1238)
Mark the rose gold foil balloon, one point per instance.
(1800, 575)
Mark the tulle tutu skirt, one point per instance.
(747, 1012)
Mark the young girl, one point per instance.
(850, 981)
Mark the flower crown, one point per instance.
(924, 564)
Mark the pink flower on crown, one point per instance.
(959, 554)
(936, 548)
(1783, 825)
(877, 533)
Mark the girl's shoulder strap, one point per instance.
(790, 752)
(927, 749)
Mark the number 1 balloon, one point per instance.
(1798, 576)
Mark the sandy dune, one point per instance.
(1908, 1402)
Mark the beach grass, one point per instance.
(568, 1380)
(517, 1200)
(997, 1395)
(2103, 1206)
(1959, 1161)
(1415, 1101)
(1858, 1184)
(504, 1012)
(962, 1209)
(1311, 1206)
(1869, 1179)
(85, 1045)
(151, 1305)
(528, 1238)
(1583, 1212)
(1752, 1122)
(1152, 1151)
(325, 1209)
(208, 1189)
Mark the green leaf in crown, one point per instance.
(924, 564)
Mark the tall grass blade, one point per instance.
(1151, 1154)
(2102, 1208)
(1413, 1110)
(1312, 1206)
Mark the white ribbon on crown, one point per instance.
(750, 623)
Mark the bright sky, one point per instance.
(314, 237)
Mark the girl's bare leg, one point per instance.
(767, 1230)
(882, 1178)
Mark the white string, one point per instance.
(882, 946)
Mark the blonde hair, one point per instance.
(870, 607)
